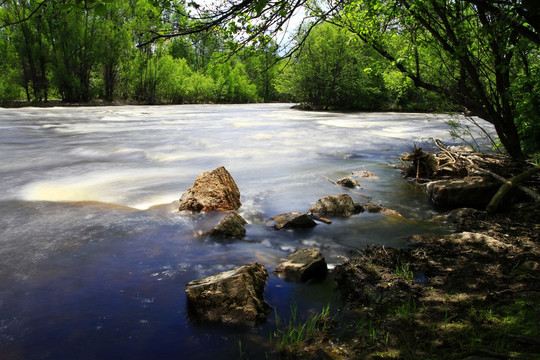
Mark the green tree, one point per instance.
(11, 78)
(333, 69)
(32, 47)
(200, 88)
(115, 44)
(232, 83)
(172, 79)
(74, 37)
(261, 67)
(468, 46)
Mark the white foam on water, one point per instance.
(148, 202)
(102, 187)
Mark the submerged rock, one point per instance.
(303, 265)
(365, 174)
(291, 220)
(348, 182)
(339, 205)
(372, 208)
(231, 226)
(212, 190)
(231, 297)
(474, 192)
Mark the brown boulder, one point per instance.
(212, 190)
(231, 297)
(340, 205)
(302, 265)
(291, 220)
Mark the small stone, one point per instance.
(348, 182)
(474, 192)
(364, 174)
(372, 208)
(291, 220)
(232, 226)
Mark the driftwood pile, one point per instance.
(461, 162)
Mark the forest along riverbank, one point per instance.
(473, 294)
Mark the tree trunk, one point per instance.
(508, 135)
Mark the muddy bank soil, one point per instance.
(474, 294)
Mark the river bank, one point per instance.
(473, 294)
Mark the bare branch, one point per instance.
(9, 23)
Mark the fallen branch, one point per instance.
(321, 219)
(533, 194)
(509, 184)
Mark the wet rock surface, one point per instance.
(348, 182)
(376, 209)
(336, 205)
(231, 297)
(302, 265)
(291, 220)
(232, 226)
(212, 190)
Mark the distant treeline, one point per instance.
(79, 54)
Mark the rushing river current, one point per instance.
(94, 255)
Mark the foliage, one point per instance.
(402, 270)
(296, 333)
(461, 49)
(331, 71)
(82, 50)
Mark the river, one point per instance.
(94, 256)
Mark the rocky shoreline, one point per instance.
(473, 294)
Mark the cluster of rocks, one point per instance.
(237, 296)
(216, 191)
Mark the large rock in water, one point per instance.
(338, 205)
(291, 220)
(302, 265)
(474, 192)
(231, 297)
(212, 190)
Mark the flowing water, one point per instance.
(94, 256)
